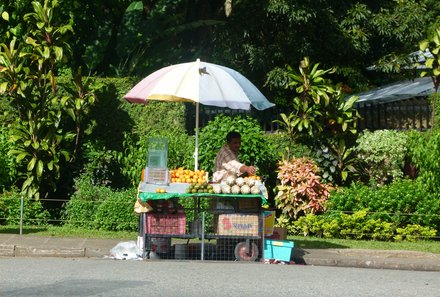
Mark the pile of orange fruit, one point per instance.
(182, 175)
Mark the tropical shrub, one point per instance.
(33, 210)
(327, 162)
(337, 162)
(424, 153)
(28, 68)
(101, 166)
(7, 165)
(383, 152)
(414, 232)
(358, 225)
(282, 146)
(346, 226)
(80, 210)
(95, 206)
(322, 118)
(116, 213)
(401, 202)
(300, 190)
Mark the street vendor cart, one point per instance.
(176, 224)
(182, 215)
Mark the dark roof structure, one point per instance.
(397, 91)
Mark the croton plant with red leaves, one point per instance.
(300, 190)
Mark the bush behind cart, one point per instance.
(100, 207)
(256, 147)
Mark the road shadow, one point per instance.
(301, 246)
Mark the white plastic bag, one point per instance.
(127, 250)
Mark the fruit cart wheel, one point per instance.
(242, 255)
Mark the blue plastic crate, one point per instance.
(278, 249)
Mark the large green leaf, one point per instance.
(5, 15)
(40, 168)
(31, 164)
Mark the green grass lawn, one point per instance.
(66, 231)
(320, 243)
(300, 242)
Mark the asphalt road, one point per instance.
(105, 277)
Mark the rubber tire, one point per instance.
(240, 252)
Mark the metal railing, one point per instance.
(54, 205)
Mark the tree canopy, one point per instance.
(123, 37)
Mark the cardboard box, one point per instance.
(278, 249)
(237, 224)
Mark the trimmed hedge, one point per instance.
(33, 212)
(359, 226)
(401, 202)
(99, 207)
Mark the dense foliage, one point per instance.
(7, 165)
(120, 37)
(57, 127)
(383, 153)
(96, 206)
(358, 226)
(28, 66)
(321, 118)
(401, 202)
(424, 152)
(34, 213)
(431, 68)
(255, 149)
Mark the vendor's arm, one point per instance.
(250, 170)
(231, 167)
(239, 168)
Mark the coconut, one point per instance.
(245, 189)
(226, 189)
(217, 188)
(250, 182)
(235, 189)
(230, 180)
(255, 190)
(239, 181)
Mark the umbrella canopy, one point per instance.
(202, 83)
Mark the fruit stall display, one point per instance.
(226, 228)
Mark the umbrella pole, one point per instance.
(196, 151)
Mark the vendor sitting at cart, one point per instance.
(226, 161)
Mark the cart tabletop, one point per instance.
(177, 190)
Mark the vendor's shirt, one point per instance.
(226, 163)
